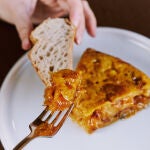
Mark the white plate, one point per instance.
(22, 98)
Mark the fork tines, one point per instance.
(52, 117)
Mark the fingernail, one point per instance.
(94, 32)
(26, 44)
(78, 40)
(75, 22)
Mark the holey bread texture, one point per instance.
(52, 47)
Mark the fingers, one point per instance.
(76, 15)
(24, 28)
(22, 20)
(90, 19)
(80, 31)
(81, 15)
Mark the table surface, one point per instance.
(127, 14)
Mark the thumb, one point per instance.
(24, 28)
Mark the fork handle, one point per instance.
(22, 143)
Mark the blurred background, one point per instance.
(132, 15)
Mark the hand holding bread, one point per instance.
(24, 13)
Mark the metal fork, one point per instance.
(47, 127)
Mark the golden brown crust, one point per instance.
(61, 94)
(114, 90)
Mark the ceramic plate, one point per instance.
(22, 98)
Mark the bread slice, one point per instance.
(52, 47)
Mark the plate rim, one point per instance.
(23, 60)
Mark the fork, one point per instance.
(47, 126)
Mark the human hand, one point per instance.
(24, 13)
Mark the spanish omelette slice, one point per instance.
(113, 89)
